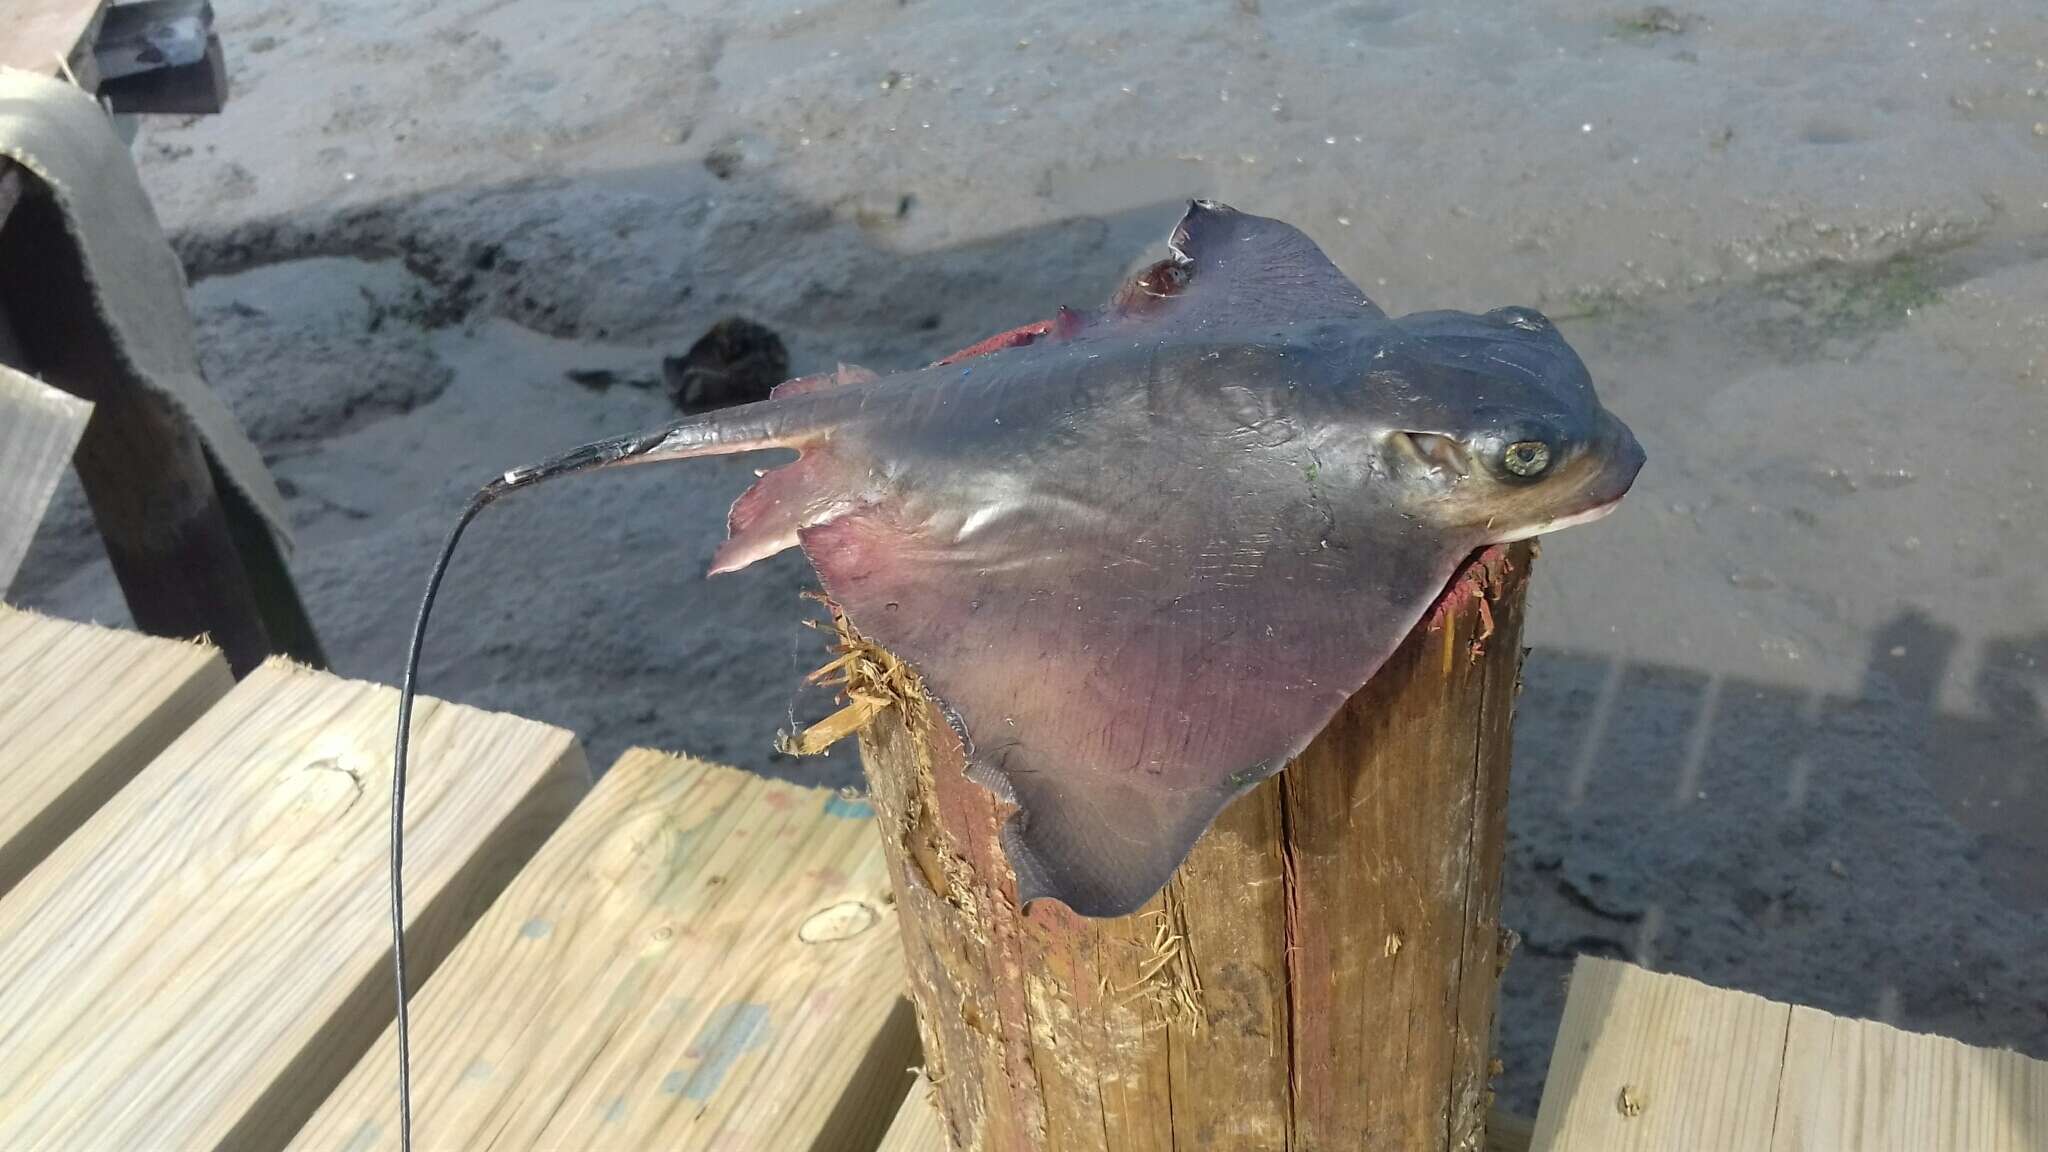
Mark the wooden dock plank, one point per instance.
(82, 709)
(1649, 1061)
(699, 959)
(1868, 1087)
(39, 429)
(202, 961)
(918, 1126)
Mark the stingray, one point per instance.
(1141, 556)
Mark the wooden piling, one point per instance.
(1319, 975)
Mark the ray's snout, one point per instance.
(1624, 458)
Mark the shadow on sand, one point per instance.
(1867, 854)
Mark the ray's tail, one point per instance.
(747, 428)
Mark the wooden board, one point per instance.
(39, 429)
(82, 709)
(1648, 1061)
(202, 961)
(919, 1127)
(699, 959)
(36, 34)
(1863, 1086)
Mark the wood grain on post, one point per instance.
(1320, 973)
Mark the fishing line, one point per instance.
(406, 690)
(602, 454)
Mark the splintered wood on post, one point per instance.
(1319, 974)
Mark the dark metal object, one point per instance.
(154, 34)
(197, 89)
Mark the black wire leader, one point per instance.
(406, 692)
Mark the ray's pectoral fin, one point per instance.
(1119, 717)
(1239, 267)
(1226, 267)
(1099, 845)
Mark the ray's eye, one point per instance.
(1526, 458)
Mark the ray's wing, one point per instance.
(1130, 640)
(1137, 581)
(1226, 269)
(1240, 269)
